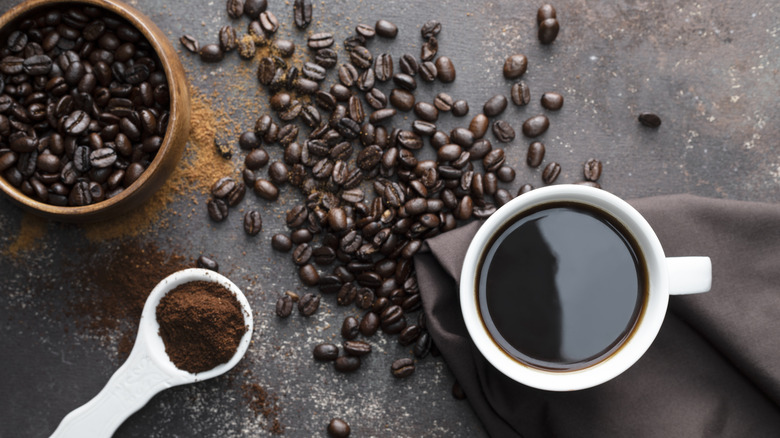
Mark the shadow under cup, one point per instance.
(561, 286)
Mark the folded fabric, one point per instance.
(713, 370)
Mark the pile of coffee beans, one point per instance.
(369, 198)
(84, 105)
(369, 201)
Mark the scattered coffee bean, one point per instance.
(386, 29)
(548, 30)
(190, 43)
(551, 172)
(326, 352)
(535, 154)
(460, 108)
(302, 13)
(445, 69)
(515, 66)
(211, 53)
(650, 120)
(253, 223)
(402, 368)
(207, 263)
(535, 126)
(347, 364)
(309, 276)
(338, 428)
(356, 348)
(430, 29)
(281, 242)
(503, 131)
(308, 304)
(552, 101)
(592, 169)
(521, 94)
(284, 306)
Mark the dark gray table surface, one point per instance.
(708, 68)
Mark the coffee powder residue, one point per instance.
(261, 402)
(31, 231)
(110, 284)
(201, 325)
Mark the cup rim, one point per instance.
(646, 328)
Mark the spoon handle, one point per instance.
(128, 390)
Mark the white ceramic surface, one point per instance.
(148, 370)
(666, 275)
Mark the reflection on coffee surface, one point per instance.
(561, 287)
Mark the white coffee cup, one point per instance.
(665, 276)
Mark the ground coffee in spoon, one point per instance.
(201, 325)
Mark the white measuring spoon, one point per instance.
(148, 370)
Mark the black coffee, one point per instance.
(561, 287)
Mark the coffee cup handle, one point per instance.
(689, 275)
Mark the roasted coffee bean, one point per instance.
(37, 65)
(222, 187)
(504, 174)
(281, 242)
(366, 80)
(266, 189)
(278, 172)
(253, 223)
(301, 236)
(302, 13)
(350, 328)
(353, 42)
(409, 334)
(460, 108)
(327, 58)
(228, 40)
(402, 99)
(431, 28)
(320, 40)
(551, 172)
(443, 102)
(592, 169)
(464, 208)
(369, 324)
(365, 31)
(493, 160)
(346, 364)
(379, 116)
(338, 428)
(268, 22)
(408, 64)
(360, 57)
(650, 120)
(405, 81)
(521, 94)
(535, 154)
(204, 262)
(515, 66)
(479, 125)
(423, 128)
(256, 159)
(253, 8)
(503, 131)
(284, 306)
(386, 29)
(77, 122)
(445, 69)
(211, 53)
(235, 8)
(552, 101)
(383, 67)
(402, 368)
(535, 126)
(302, 254)
(462, 137)
(426, 111)
(308, 304)
(356, 348)
(309, 276)
(544, 12)
(548, 30)
(286, 48)
(102, 158)
(502, 197)
(429, 49)
(422, 346)
(495, 105)
(376, 99)
(217, 209)
(326, 352)
(428, 71)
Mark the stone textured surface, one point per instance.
(708, 68)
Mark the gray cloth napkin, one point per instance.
(713, 370)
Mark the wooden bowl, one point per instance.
(175, 137)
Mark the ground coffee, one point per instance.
(201, 324)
